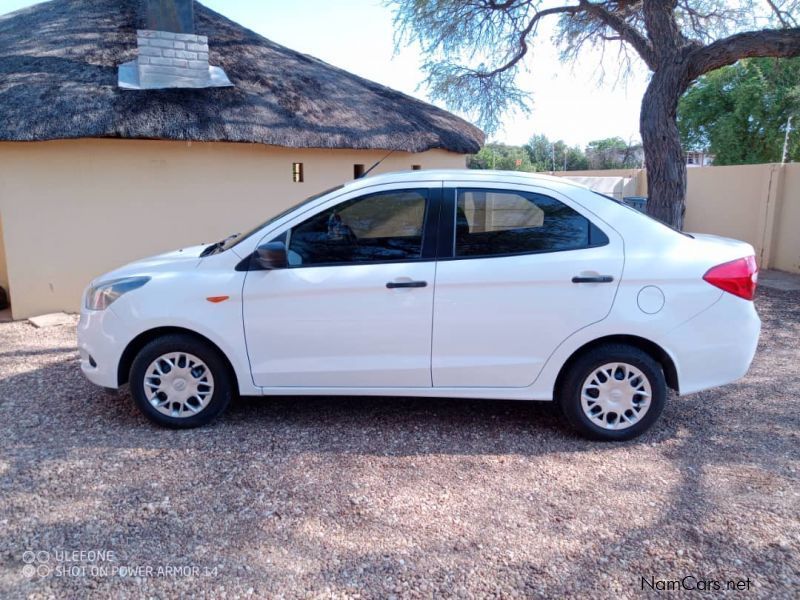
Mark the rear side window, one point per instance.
(386, 226)
(504, 222)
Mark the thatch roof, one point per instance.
(58, 79)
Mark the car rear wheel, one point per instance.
(180, 381)
(613, 392)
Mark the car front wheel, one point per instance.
(613, 392)
(180, 381)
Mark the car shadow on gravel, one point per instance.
(81, 414)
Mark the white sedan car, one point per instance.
(471, 284)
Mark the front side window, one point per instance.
(385, 226)
(495, 222)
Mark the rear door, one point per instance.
(521, 268)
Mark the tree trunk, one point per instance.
(666, 167)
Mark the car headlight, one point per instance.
(103, 295)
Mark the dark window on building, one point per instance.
(416, 167)
(386, 226)
(297, 172)
(497, 222)
(358, 171)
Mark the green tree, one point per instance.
(739, 113)
(474, 50)
(576, 159)
(546, 155)
(613, 153)
(540, 151)
(500, 156)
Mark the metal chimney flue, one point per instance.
(176, 16)
(171, 54)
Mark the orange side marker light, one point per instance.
(217, 299)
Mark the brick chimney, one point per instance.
(171, 55)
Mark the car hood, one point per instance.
(185, 258)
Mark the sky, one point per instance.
(566, 102)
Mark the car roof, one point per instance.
(476, 175)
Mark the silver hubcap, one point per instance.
(616, 396)
(178, 384)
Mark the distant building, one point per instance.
(699, 158)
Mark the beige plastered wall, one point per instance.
(759, 204)
(72, 210)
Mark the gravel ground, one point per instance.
(374, 498)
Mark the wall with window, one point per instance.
(75, 209)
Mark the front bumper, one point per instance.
(102, 338)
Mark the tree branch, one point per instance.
(627, 32)
(784, 17)
(780, 43)
(523, 40)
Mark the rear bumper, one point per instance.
(101, 341)
(715, 347)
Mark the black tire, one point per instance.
(569, 392)
(222, 379)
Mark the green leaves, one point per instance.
(739, 113)
(502, 157)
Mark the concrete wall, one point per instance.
(729, 201)
(72, 210)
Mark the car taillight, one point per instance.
(739, 277)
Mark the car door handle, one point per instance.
(406, 284)
(592, 279)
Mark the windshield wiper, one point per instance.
(216, 246)
(210, 249)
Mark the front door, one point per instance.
(354, 308)
(505, 296)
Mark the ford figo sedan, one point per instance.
(470, 284)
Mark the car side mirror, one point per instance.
(271, 255)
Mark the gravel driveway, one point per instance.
(370, 498)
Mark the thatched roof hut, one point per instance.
(58, 80)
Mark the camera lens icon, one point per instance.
(29, 570)
(28, 557)
(42, 556)
(43, 570)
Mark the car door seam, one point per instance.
(571, 335)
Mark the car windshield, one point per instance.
(237, 238)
